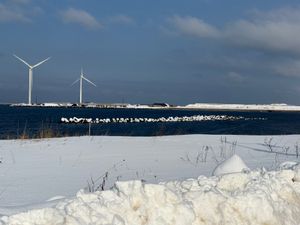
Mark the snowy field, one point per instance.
(47, 174)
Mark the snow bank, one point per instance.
(257, 197)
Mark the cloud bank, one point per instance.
(193, 26)
(274, 31)
(121, 19)
(9, 14)
(18, 11)
(272, 38)
(80, 17)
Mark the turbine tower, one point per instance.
(81, 78)
(30, 75)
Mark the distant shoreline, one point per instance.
(165, 106)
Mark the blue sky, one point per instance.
(142, 51)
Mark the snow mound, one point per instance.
(258, 197)
(234, 164)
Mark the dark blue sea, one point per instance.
(15, 121)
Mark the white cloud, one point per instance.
(18, 11)
(121, 19)
(9, 14)
(193, 26)
(80, 17)
(287, 67)
(265, 34)
(277, 30)
(234, 76)
(20, 1)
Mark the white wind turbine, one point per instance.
(30, 74)
(81, 78)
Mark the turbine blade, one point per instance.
(36, 65)
(22, 60)
(89, 81)
(75, 81)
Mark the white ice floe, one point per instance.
(157, 120)
(257, 198)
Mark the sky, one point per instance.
(141, 51)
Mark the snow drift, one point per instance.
(234, 164)
(257, 197)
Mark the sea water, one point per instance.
(15, 121)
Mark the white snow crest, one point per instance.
(234, 164)
(256, 197)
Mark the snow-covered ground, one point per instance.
(48, 173)
(253, 198)
(254, 107)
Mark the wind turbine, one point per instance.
(81, 78)
(30, 74)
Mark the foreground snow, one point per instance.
(38, 174)
(257, 197)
